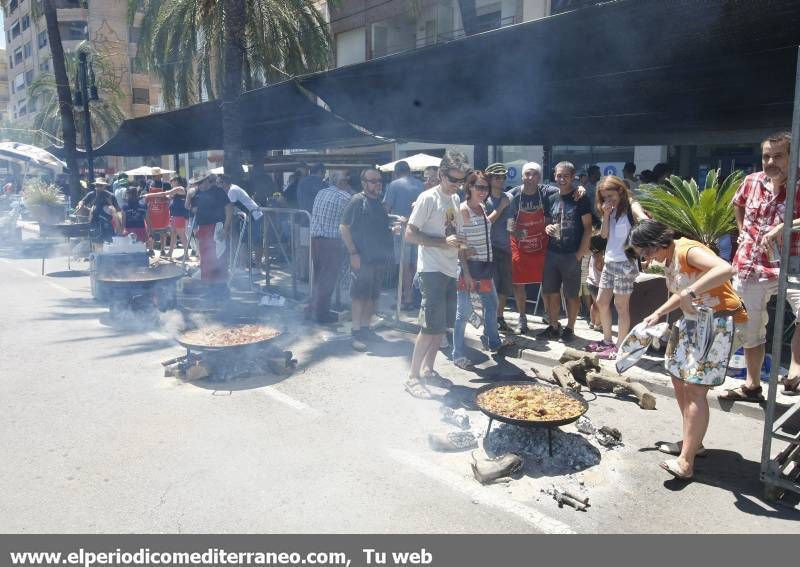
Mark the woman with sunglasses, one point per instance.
(476, 269)
(698, 350)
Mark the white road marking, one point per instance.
(33, 274)
(279, 396)
(58, 287)
(481, 495)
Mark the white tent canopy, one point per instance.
(417, 162)
(220, 170)
(31, 156)
(146, 170)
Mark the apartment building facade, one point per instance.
(104, 24)
(3, 86)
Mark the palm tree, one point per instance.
(705, 216)
(259, 42)
(106, 114)
(183, 43)
(48, 8)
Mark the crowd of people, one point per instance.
(471, 244)
(467, 243)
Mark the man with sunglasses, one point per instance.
(430, 178)
(368, 238)
(436, 226)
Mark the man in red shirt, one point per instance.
(760, 204)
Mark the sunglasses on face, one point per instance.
(458, 180)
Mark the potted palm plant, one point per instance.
(705, 215)
(44, 201)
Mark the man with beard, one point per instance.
(436, 226)
(760, 205)
(368, 238)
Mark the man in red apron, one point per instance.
(158, 201)
(213, 213)
(528, 238)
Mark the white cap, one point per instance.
(532, 165)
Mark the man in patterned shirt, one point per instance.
(326, 244)
(759, 204)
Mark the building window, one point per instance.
(41, 39)
(19, 82)
(133, 34)
(44, 66)
(12, 6)
(141, 96)
(28, 76)
(10, 62)
(22, 107)
(17, 56)
(27, 50)
(72, 31)
(15, 29)
(26, 22)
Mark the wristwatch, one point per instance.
(691, 293)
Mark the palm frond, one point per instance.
(704, 216)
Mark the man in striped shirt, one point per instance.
(326, 244)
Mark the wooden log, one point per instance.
(565, 378)
(540, 376)
(575, 354)
(197, 371)
(579, 368)
(598, 381)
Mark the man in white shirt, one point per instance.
(242, 201)
(436, 226)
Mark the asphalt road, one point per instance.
(93, 438)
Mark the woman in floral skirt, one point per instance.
(700, 344)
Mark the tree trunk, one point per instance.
(234, 26)
(64, 99)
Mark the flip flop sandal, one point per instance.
(436, 380)
(418, 390)
(742, 394)
(675, 449)
(791, 386)
(671, 466)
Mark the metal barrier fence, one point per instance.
(282, 233)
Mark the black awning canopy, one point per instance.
(275, 117)
(625, 72)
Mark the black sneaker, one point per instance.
(503, 326)
(550, 333)
(567, 335)
(523, 326)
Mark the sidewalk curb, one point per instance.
(753, 411)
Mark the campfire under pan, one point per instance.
(542, 421)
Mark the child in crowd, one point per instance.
(597, 248)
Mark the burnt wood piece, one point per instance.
(597, 381)
(565, 378)
(575, 354)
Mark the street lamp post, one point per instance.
(86, 91)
